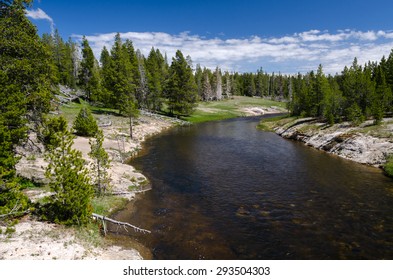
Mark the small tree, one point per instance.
(101, 163)
(85, 124)
(355, 115)
(129, 109)
(69, 181)
(48, 133)
(12, 200)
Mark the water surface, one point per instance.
(225, 190)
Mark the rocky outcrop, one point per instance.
(125, 180)
(365, 144)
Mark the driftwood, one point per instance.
(123, 224)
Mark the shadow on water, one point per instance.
(224, 190)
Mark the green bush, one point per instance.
(388, 167)
(85, 124)
(51, 127)
(355, 115)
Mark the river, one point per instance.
(225, 190)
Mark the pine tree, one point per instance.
(106, 76)
(207, 92)
(88, 73)
(12, 200)
(181, 89)
(49, 44)
(68, 179)
(218, 84)
(382, 97)
(143, 89)
(24, 93)
(122, 77)
(321, 89)
(101, 163)
(24, 66)
(85, 124)
(198, 79)
(333, 103)
(71, 63)
(155, 79)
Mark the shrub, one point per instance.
(355, 115)
(85, 124)
(388, 167)
(50, 129)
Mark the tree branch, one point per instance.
(106, 219)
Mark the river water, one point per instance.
(225, 190)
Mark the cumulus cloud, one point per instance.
(288, 54)
(39, 14)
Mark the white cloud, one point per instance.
(288, 54)
(39, 14)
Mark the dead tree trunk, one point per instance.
(123, 224)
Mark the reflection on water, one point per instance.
(224, 190)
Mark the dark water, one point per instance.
(224, 190)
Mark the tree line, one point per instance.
(124, 78)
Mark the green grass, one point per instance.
(107, 205)
(388, 167)
(230, 108)
(270, 123)
(71, 110)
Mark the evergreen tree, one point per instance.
(68, 179)
(155, 79)
(321, 89)
(198, 79)
(132, 74)
(24, 69)
(228, 85)
(71, 64)
(382, 97)
(106, 76)
(48, 133)
(389, 70)
(101, 163)
(207, 92)
(88, 73)
(142, 89)
(49, 44)
(218, 84)
(122, 76)
(261, 83)
(24, 93)
(181, 89)
(333, 102)
(85, 124)
(12, 200)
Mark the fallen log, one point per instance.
(123, 224)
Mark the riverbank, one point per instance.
(35, 239)
(367, 143)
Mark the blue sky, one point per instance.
(285, 36)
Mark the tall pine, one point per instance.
(181, 89)
(88, 72)
(24, 92)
